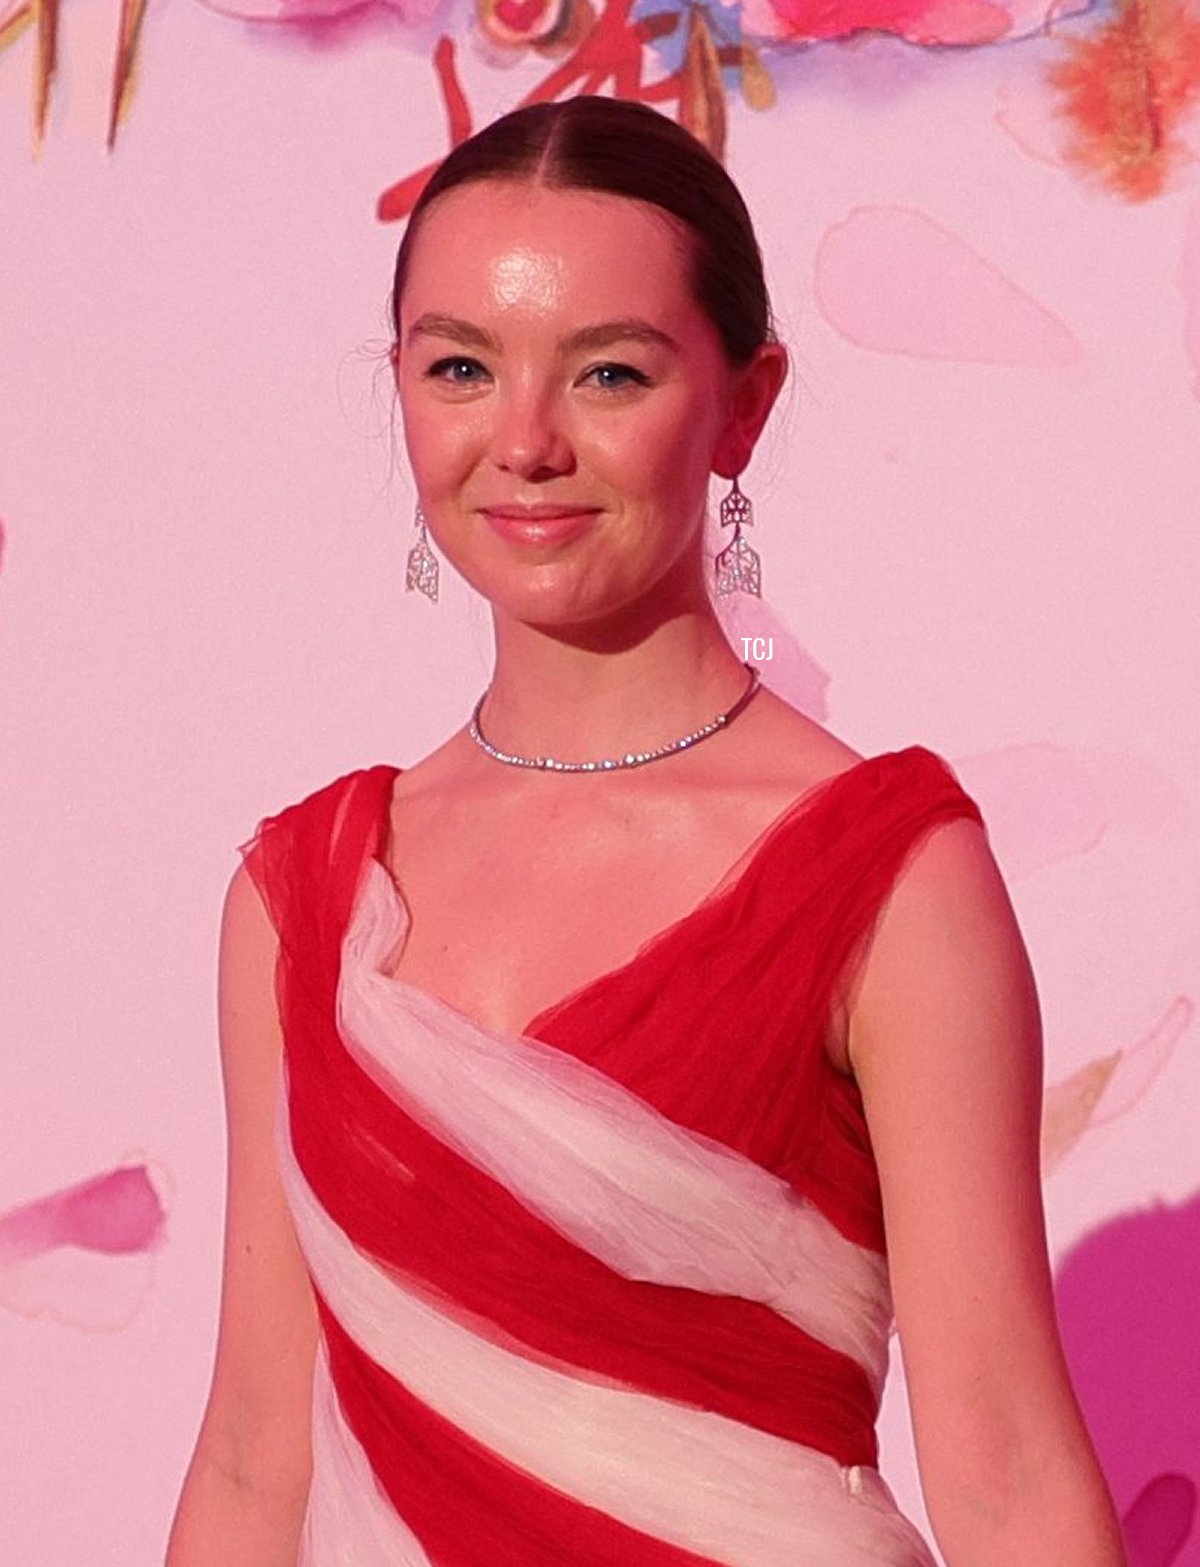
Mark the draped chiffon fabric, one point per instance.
(613, 1291)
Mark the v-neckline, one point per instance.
(733, 878)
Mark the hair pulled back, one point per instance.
(621, 148)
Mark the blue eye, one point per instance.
(458, 371)
(612, 377)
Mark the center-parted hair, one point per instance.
(620, 148)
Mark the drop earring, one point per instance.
(737, 568)
(422, 572)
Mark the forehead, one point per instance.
(509, 247)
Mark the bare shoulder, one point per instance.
(947, 936)
(948, 902)
(244, 916)
(950, 875)
(251, 1038)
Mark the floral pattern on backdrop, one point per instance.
(1122, 87)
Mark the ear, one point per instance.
(753, 390)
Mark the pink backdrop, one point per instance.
(977, 517)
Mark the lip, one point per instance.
(543, 524)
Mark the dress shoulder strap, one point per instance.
(307, 859)
(901, 794)
(873, 828)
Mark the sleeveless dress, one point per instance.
(611, 1292)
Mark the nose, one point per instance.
(529, 437)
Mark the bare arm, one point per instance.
(243, 1498)
(945, 1040)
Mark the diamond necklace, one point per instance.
(631, 758)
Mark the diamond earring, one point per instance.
(737, 568)
(422, 572)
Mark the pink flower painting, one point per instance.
(83, 1256)
(925, 22)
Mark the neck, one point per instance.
(550, 696)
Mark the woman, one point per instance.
(603, 1093)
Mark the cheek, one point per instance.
(437, 447)
(669, 458)
(672, 440)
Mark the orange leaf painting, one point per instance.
(1109, 1085)
(132, 12)
(46, 15)
(702, 93)
(14, 19)
(758, 90)
(1126, 88)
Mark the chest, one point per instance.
(506, 921)
(510, 914)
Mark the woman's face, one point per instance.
(564, 398)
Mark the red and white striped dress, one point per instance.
(611, 1292)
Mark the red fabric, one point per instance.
(719, 1023)
(450, 1227)
(465, 1505)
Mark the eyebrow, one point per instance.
(624, 329)
(433, 324)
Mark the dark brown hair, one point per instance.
(622, 148)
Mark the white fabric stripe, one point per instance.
(699, 1480)
(349, 1521)
(652, 1199)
